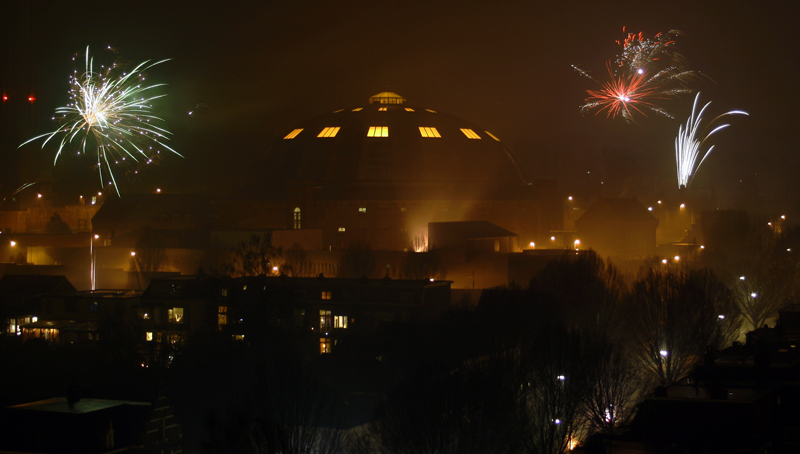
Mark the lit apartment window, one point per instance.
(324, 320)
(293, 134)
(378, 131)
(329, 132)
(340, 321)
(175, 315)
(408, 109)
(341, 229)
(326, 296)
(362, 210)
(470, 133)
(428, 132)
(148, 336)
(382, 109)
(324, 345)
(492, 136)
(222, 316)
(357, 109)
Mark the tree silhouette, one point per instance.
(589, 289)
(254, 256)
(57, 226)
(296, 262)
(423, 265)
(357, 261)
(674, 312)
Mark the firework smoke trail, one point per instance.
(647, 72)
(111, 112)
(690, 140)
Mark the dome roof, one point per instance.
(388, 141)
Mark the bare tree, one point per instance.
(357, 261)
(296, 263)
(57, 226)
(674, 312)
(767, 278)
(423, 265)
(283, 410)
(615, 387)
(150, 258)
(557, 379)
(590, 289)
(254, 256)
(469, 409)
(151, 255)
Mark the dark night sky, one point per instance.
(262, 67)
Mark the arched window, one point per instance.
(297, 218)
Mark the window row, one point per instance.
(383, 131)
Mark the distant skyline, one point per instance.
(506, 67)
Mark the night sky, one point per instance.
(261, 68)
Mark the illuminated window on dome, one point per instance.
(342, 229)
(378, 131)
(382, 109)
(329, 132)
(470, 133)
(428, 132)
(431, 111)
(408, 109)
(357, 109)
(492, 136)
(337, 111)
(293, 134)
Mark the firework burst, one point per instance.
(691, 139)
(646, 73)
(110, 114)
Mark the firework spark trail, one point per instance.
(690, 140)
(647, 72)
(111, 113)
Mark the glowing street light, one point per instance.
(13, 243)
(683, 205)
(721, 317)
(677, 258)
(533, 245)
(576, 244)
(133, 254)
(663, 353)
(664, 261)
(741, 278)
(569, 198)
(552, 238)
(754, 294)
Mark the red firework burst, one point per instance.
(625, 94)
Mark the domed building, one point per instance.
(381, 171)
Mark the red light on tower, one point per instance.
(31, 98)
(5, 97)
